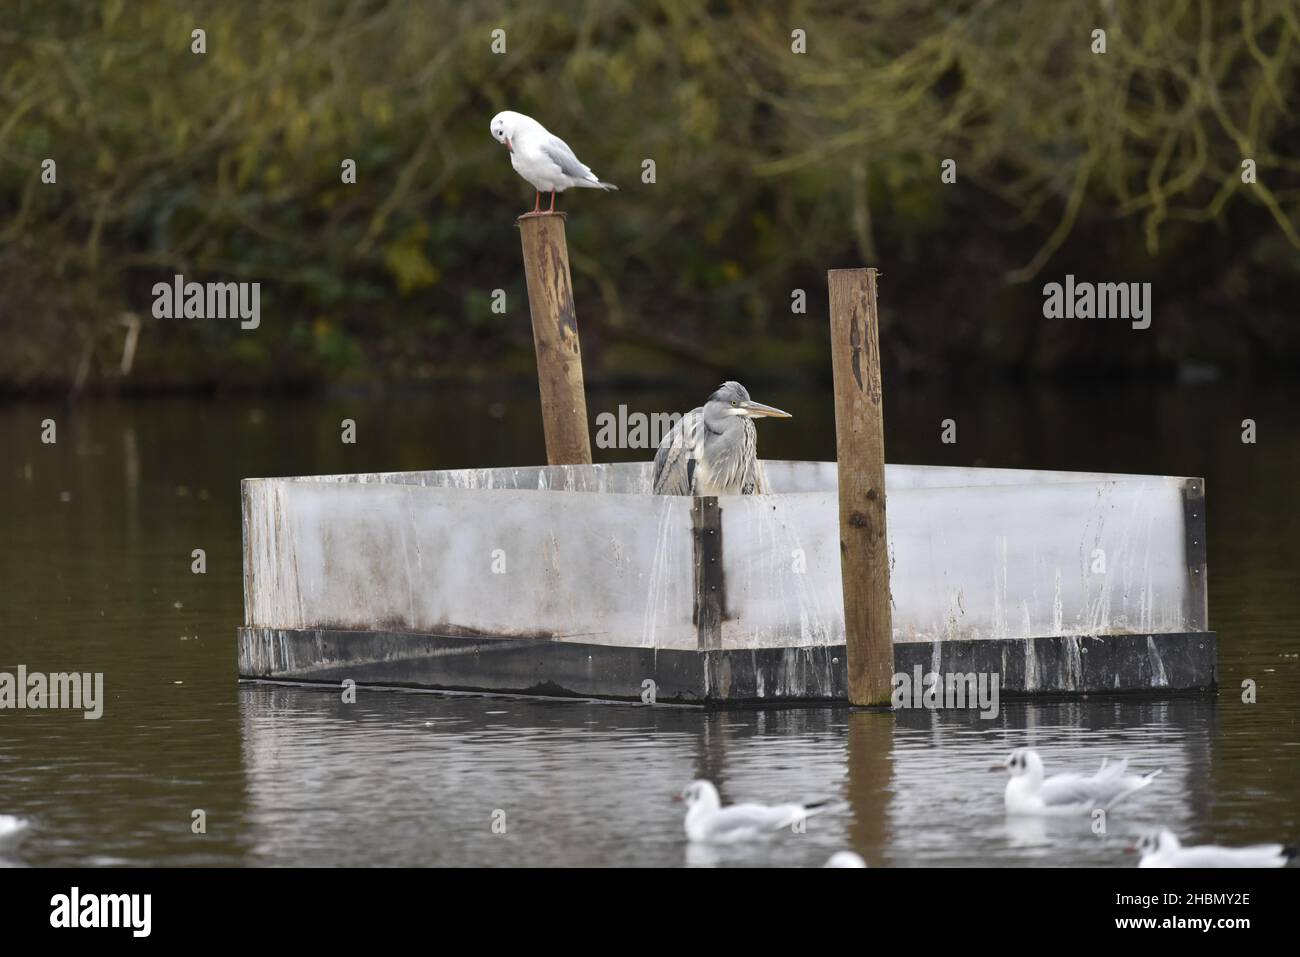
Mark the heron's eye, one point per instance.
(733, 403)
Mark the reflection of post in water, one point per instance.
(131, 480)
(871, 771)
(711, 747)
(713, 758)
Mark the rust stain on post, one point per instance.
(860, 453)
(555, 334)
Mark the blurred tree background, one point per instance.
(771, 166)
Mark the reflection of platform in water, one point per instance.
(575, 580)
(583, 784)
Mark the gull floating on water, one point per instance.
(1162, 849)
(12, 829)
(541, 157)
(707, 821)
(1069, 793)
(845, 859)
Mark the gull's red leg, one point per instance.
(537, 205)
(552, 200)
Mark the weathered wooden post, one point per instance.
(860, 452)
(555, 334)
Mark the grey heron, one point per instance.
(713, 450)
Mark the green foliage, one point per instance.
(771, 167)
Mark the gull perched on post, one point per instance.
(1162, 849)
(1069, 793)
(542, 158)
(713, 450)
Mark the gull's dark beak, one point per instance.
(1130, 850)
(678, 797)
(997, 767)
(757, 410)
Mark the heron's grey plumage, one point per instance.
(713, 450)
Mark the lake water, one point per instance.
(98, 530)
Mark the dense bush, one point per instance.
(771, 166)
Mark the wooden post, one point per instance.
(860, 452)
(555, 334)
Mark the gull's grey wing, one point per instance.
(1061, 790)
(1110, 785)
(1113, 784)
(558, 152)
(674, 472)
(752, 819)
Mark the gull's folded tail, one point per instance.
(820, 807)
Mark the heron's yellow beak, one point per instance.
(757, 410)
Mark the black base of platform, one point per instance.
(1048, 667)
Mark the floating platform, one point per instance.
(577, 581)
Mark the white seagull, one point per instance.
(845, 859)
(541, 157)
(1162, 849)
(708, 822)
(12, 829)
(1070, 793)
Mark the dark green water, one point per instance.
(97, 532)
